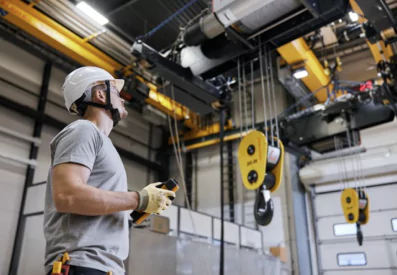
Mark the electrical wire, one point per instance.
(166, 21)
(302, 99)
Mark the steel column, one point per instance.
(34, 149)
(299, 213)
(189, 177)
(230, 179)
(222, 249)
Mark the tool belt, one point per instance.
(61, 267)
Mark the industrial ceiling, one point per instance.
(133, 18)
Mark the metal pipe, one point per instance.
(30, 162)
(15, 134)
(340, 153)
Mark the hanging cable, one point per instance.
(353, 166)
(344, 166)
(239, 98)
(306, 97)
(178, 156)
(245, 100)
(361, 174)
(268, 97)
(274, 97)
(252, 95)
(263, 86)
(336, 144)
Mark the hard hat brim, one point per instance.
(119, 84)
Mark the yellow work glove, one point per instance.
(153, 199)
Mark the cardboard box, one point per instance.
(160, 224)
(280, 252)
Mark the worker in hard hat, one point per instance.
(87, 203)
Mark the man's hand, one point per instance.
(153, 199)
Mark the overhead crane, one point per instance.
(40, 26)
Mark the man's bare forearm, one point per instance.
(91, 201)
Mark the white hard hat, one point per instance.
(79, 82)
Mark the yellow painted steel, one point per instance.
(278, 170)
(213, 141)
(350, 205)
(55, 35)
(204, 131)
(253, 162)
(378, 50)
(298, 51)
(366, 210)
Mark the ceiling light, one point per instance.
(300, 73)
(353, 16)
(92, 13)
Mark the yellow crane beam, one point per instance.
(379, 50)
(298, 51)
(32, 21)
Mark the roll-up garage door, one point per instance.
(339, 252)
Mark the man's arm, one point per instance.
(71, 194)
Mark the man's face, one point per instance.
(115, 99)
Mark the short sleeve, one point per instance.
(79, 143)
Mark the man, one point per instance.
(87, 203)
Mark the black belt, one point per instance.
(79, 270)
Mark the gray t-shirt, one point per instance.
(99, 242)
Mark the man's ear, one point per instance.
(99, 96)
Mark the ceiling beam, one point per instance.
(78, 49)
(298, 51)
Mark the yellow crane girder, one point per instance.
(298, 51)
(379, 50)
(35, 23)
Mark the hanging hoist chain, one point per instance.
(269, 97)
(263, 86)
(239, 98)
(252, 95)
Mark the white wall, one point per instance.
(25, 70)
